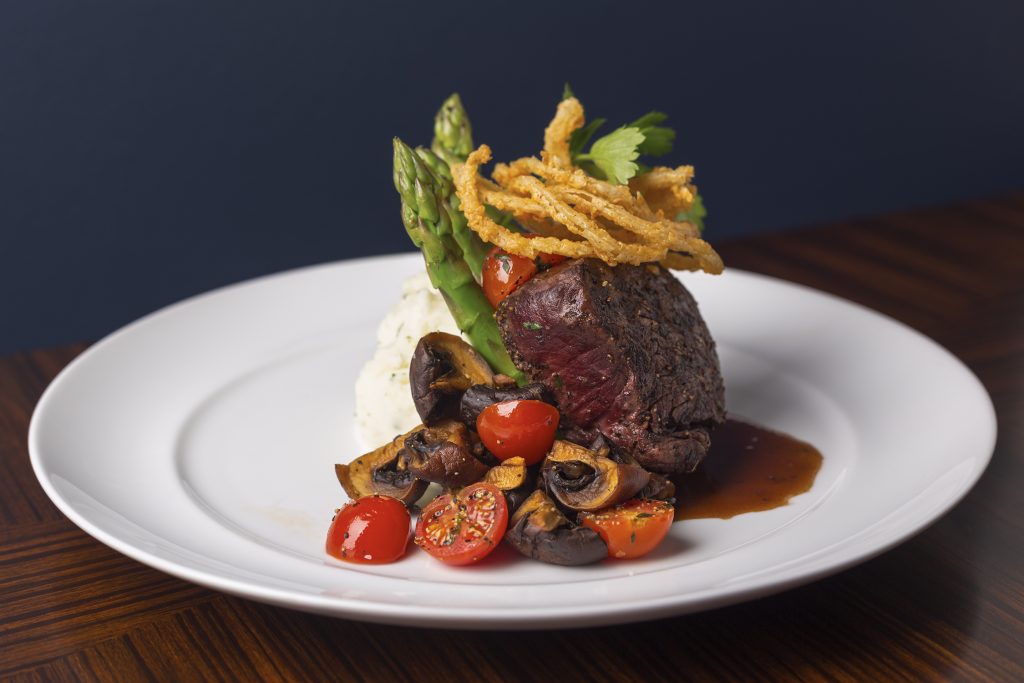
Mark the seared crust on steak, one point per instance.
(625, 353)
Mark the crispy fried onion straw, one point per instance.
(576, 215)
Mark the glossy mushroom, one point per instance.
(587, 481)
(539, 530)
(443, 366)
(513, 479)
(381, 471)
(658, 487)
(479, 396)
(442, 455)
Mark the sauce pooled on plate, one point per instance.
(748, 469)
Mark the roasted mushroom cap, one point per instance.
(383, 472)
(513, 479)
(539, 530)
(442, 368)
(479, 396)
(583, 480)
(442, 455)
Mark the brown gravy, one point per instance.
(748, 469)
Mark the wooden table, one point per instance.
(948, 604)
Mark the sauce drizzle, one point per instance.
(748, 469)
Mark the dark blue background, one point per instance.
(149, 151)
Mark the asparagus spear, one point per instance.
(453, 136)
(430, 218)
(436, 163)
(453, 141)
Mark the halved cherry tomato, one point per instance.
(518, 428)
(633, 528)
(465, 527)
(503, 272)
(371, 530)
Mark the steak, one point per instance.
(626, 355)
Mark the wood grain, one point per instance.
(948, 605)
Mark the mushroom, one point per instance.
(479, 396)
(583, 480)
(658, 487)
(442, 368)
(512, 478)
(442, 455)
(381, 471)
(539, 530)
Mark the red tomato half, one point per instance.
(371, 530)
(503, 272)
(465, 527)
(518, 428)
(632, 529)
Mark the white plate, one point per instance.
(201, 440)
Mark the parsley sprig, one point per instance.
(614, 157)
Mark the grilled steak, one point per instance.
(626, 354)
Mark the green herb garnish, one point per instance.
(615, 154)
(615, 157)
(505, 261)
(695, 214)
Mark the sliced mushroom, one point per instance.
(514, 480)
(510, 474)
(658, 487)
(442, 368)
(503, 381)
(442, 455)
(583, 480)
(381, 471)
(479, 396)
(539, 530)
(600, 445)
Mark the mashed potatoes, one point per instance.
(384, 407)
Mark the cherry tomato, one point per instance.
(371, 530)
(548, 260)
(465, 527)
(518, 428)
(503, 273)
(633, 528)
(545, 261)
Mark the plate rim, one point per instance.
(509, 619)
